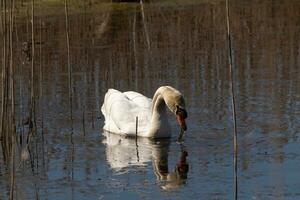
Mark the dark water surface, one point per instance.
(179, 44)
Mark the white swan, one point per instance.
(122, 109)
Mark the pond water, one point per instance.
(179, 44)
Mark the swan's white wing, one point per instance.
(139, 99)
(107, 110)
(121, 109)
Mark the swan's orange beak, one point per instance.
(180, 119)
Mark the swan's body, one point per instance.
(122, 109)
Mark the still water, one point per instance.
(182, 44)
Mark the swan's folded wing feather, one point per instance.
(115, 110)
(139, 99)
(121, 109)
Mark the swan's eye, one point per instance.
(177, 109)
(182, 111)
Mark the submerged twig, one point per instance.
(231, 76)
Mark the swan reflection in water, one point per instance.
(122, 152)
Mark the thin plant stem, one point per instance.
(12, 178)
(134, 51)
(3, 63)
(11, 68)
(69, 65)
(12, 71)
(12, 125)
(145, 25)
(83, 121)
(136, 138)
(231, 77)
(70, 89)
(4, 127)
(41, 95)
(32, 93)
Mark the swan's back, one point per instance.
(121, 109)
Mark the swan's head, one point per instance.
(176, 104)
(181, 115)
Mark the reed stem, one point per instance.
(3, 97)
(69, 65)
(231, 77)
(32, 93)
(134, 51)
(145, 25)
(11, 118)
(41, 92)
(136, 138)
(83, 121)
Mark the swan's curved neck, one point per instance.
(158, 102)
(159, 121)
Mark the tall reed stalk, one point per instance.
(4, 84)
(8, 130)
(134, 51)
(31, 120)
(7, 95)
(70, 89)
(32, 91)
(41, 91)
(69, 65)
(12, 94)
(233, 105)
(145, 25)
(136, 138)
